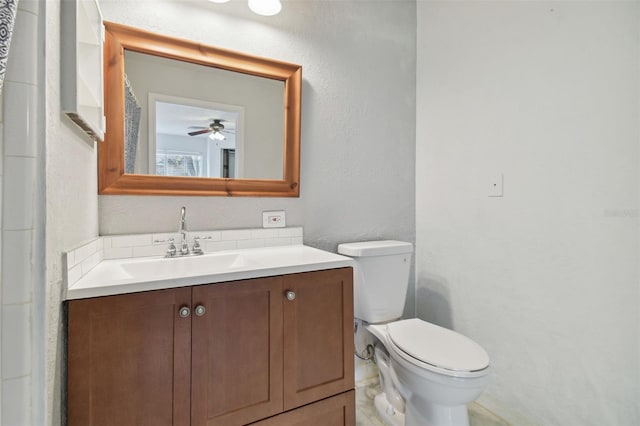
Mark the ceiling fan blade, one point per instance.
(197, 127)
(199, 132)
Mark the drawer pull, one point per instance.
(291, 295)
(184, 312)
(200, 310)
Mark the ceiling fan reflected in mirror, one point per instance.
(216, 128)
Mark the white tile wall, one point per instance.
(21, 131)
(20, 187)
(16, 402)
(82, 259)
(16, 345)
(19, 143)
(17, 277)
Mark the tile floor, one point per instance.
(366, 414)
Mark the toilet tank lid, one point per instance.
(375, 248)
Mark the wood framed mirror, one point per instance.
(118, 176)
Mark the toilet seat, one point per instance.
(436, 348)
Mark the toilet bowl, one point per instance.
(436, 371)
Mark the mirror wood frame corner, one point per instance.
(112, 178)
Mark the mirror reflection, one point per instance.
(200, 120)
(189, 120)
(194, 141)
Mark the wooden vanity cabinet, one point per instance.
(339, 410)
(237, 352)
(276, 350)
(129, 360)
(318, 336)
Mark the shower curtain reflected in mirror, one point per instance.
(132, 111)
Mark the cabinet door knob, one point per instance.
(200, 310)
(184, 312)
(290, 295)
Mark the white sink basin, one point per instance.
(206, 264)
(119, 276)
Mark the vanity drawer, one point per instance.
(337, 410)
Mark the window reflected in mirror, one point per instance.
(203, 136)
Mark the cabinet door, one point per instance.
(129, 360)
(338, 410)
(237, 352)
(318, 336)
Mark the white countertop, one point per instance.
(120, 276)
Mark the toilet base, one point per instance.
(390, 416)
(437, 415)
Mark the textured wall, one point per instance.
(71, 205)
(358, 131)
(545, 278)
(358, 119)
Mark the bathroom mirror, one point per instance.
(185, 118)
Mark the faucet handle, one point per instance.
(197, 249)
(171, 251)
(184, 249)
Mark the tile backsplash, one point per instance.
(82, 259)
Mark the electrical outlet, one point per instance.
(274, 219)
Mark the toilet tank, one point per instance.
(381, 277)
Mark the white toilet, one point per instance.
(432, 371)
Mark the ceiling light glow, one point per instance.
(216, 136)
(265, 7)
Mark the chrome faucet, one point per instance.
(184, 246)
(184, 243)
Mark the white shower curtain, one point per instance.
(7, 19)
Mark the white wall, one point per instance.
(358, 131)
(546, 277)
(71, 206)
(358, 119)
